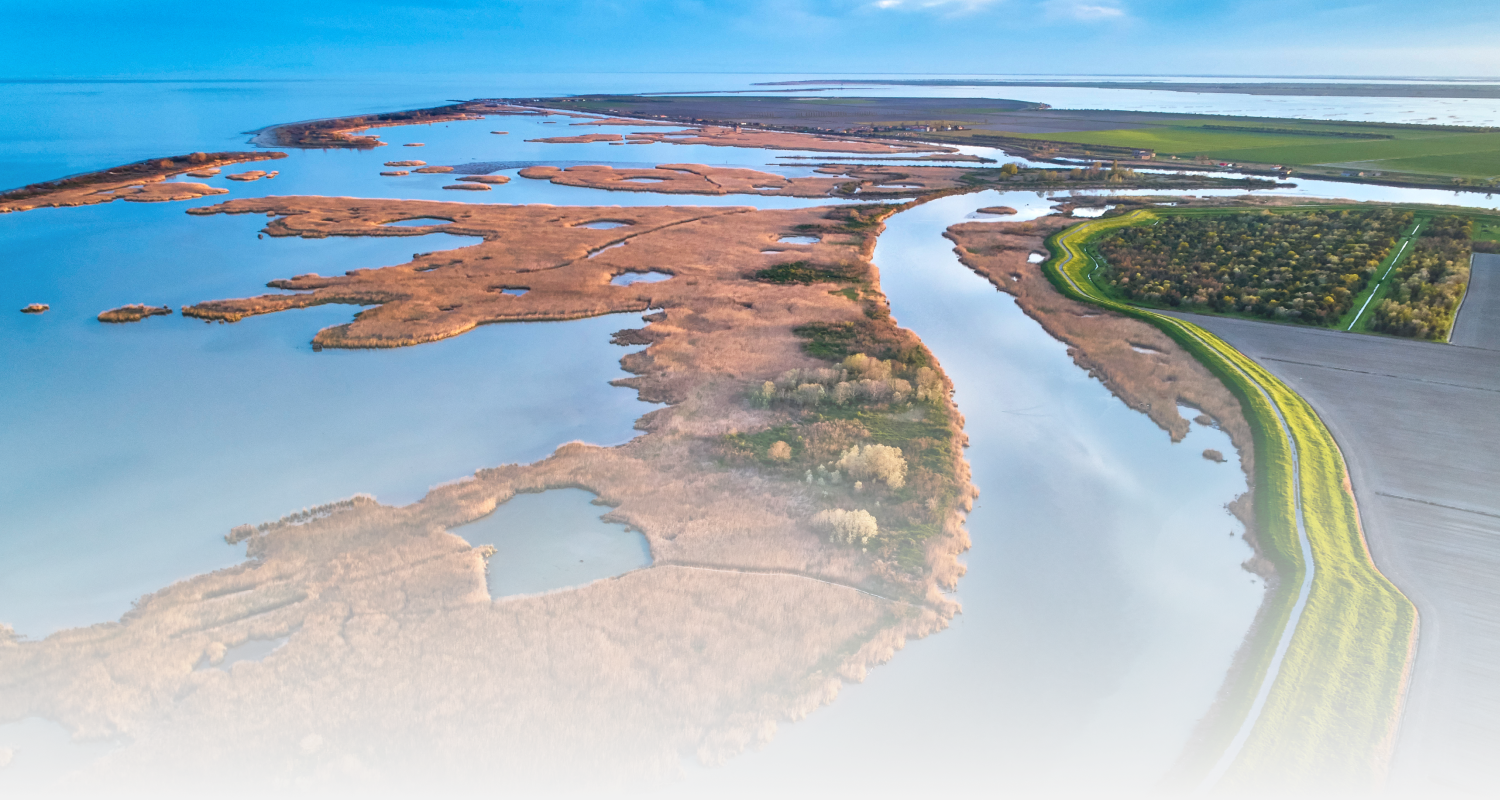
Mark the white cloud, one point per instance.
(953, 6)
(1084, 11)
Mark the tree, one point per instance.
(848, 527)
(875, 462)
(781, 451)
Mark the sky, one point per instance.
(54, 39)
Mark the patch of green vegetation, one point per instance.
(1487, 229)
(1338, 689)
(756, 446)
(851, 292)
(1298, 131)
(835, 341)
(804, 272)
(1446, 152)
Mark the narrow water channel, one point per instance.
(1104, 599)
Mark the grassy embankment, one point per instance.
(1337, 693)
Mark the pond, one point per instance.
(628, 278)
(553, 540)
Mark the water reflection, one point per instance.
(145, 443)
(1103, 602)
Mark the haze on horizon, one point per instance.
(178, 39)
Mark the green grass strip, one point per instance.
(1358, 318)
(1335, 697)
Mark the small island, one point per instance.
(251, 175)
(36, 308)
(134, 312)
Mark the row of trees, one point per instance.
(1426, 288)
(1305, 266)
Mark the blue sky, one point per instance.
(171, 38)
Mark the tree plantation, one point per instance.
(1425, 288)
(1304, 266)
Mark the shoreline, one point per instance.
(749, 517)
(1322, 477)
(89, 188)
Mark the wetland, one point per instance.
(471, 402)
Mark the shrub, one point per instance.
(875, 462)
(929, 385)
(809, 394)
(848, 527)
(780, 451)
(803, 272)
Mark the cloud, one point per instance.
(951, 6)
(1084, 11)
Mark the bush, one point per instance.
(875, 462)
(848, 527)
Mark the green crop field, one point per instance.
(1336, 694)
(1439, 152)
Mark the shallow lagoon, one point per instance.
(133, 448)
(553, 540)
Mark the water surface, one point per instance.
(554, 540)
